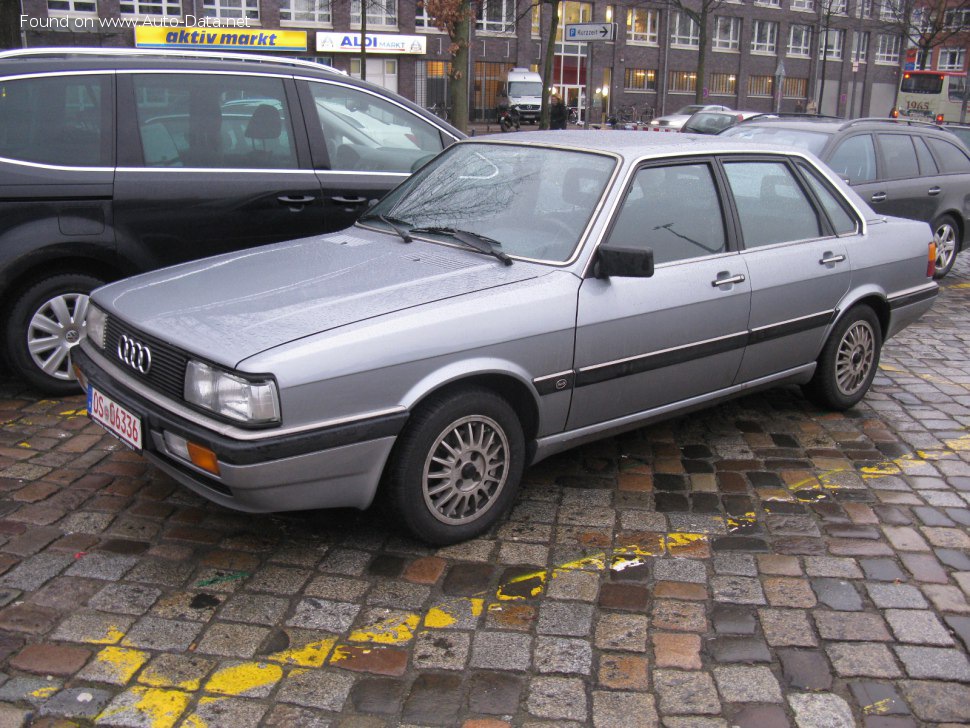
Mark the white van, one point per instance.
(524, 90)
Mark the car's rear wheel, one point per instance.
(848, 362)
(456, 467)
(946, 234)
(46, 322)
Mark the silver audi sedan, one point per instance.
(510, 300)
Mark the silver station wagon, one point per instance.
(512, 299)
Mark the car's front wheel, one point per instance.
(456, 466)
(946, 235)
(848, 362)
(47, 320)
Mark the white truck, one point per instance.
(523, 89)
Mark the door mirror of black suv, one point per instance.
(624, 262)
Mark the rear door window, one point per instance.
(64, 121)
(898, 156)
(214, 121)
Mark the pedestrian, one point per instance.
(557, 113)
(799, 107)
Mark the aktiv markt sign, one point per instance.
(220, 38)
(582, 32)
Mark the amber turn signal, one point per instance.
(203, 457)
(931, 260)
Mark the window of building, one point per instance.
(305, 12)
(890, 10)
(864, 9)
(860, 47)
(800, 41)
(683, 30)
(793, 87)
(165, 8)
(957, 18)
(382, 13)
(803, 5)
(422, 20)
(887, 49)
(727, 34)
(496, 16)
(764, 36)
(536, 20)
(640, 79)
(724, 84)
(682, 81)
(831, 42)
(837, 7)
(213, 121)
(235, 9)
(772, 207)
(641, 26)
(768, 3)
(761, 85)
(680, 206)
(57, 120)
(72, 6)
(951, 59)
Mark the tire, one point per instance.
(436, 484)
(946, 233)
(849, 361)
(46, 321)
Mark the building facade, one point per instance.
(841, 57)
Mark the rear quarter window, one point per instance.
(949, 156)
(63, 121)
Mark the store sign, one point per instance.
(374, 43)
(220, 39)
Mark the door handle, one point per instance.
(878, 197)
(829, 259)
(934, 191)
(349, 200)
(727, 281)
(296, 199)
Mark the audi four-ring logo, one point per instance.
(135, 354)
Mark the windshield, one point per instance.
(534, 201)
(525, 88)
(922, 83)
(812, 141)
(709, 123)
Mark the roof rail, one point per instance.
(60, 52)
(791, 115)
(890, 120)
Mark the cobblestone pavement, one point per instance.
(760, 564)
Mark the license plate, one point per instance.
(119, 421)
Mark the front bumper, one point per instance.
(330, 467)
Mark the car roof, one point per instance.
(634, 144)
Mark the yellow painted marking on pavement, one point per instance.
(931, 378)
(122, 663)
(879, 707)
(505, 593)
(75, 413)
(194, 721)
(25, 445)
(437, 618)
(390, 631)
(111, 636)
(596, 562)
(44, 692)
(313, 654)
(678, 541)
(239, 679)
(957, 285)
(160, 708)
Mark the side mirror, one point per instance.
(624, 262)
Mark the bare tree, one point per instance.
(10, 24)
(926, 24)
(548, 63)
(454, 17)
(699, 11)
(365, 7)
(825, 12)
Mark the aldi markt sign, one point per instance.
(374, 43)
(220, 38)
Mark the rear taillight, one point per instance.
(939, 118)
(894, 114)
(931, 260)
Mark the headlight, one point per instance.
(254, 402)
(94, 324)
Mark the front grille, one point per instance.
(167, 372)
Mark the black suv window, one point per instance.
(899, 156)
(771, 205)
(950, 156)
(926, 164)
(214, 121)
(59, 120)
(855, 159)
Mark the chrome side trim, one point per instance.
(769, 327)
(54, 167)
(214, 170)
(216, 426)
(925, 288)
(638, 357)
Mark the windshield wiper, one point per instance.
(480, 243)
(393, 223)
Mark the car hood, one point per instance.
(230, 307)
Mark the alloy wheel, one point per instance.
(855, 358)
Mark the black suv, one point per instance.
(113, 163)
(900, 167)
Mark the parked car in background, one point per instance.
(714, 122)
(673, 122)
(900, 167)
(512, 299)
(118, 161)
(960, 131)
